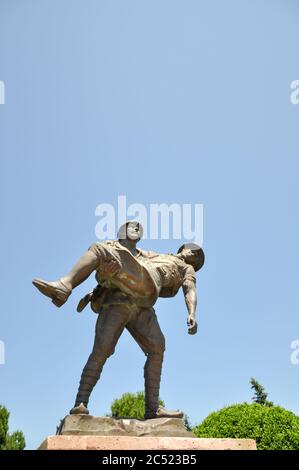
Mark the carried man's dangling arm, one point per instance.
(189, 289)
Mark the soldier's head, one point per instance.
(192, 254)
(131, 230)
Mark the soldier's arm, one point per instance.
(189, 289)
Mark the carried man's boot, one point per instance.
(59, 291)
(152, 376)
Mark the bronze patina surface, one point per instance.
(129, 282)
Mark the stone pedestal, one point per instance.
(114, 443)
(84, 432)
(85, 425)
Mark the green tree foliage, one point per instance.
(187, 423)
(14, 441)
(273, 427)
(260, 395)
(129, 405)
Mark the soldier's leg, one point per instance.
(110, 324)
(145, 329)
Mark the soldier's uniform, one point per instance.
(125, 299)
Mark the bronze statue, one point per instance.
(129, 282)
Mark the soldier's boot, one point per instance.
(90, 375)
(152, 376)
(60, 290)
(80, 409)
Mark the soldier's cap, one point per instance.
(200, 258)
(122, 231)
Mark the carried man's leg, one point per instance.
(60, 290)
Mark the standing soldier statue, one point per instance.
(129, 282)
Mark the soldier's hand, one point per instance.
(110, 268)
(192, 325)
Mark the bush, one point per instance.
(273, 427)
(15, 441)
(129, 405)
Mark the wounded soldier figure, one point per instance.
(130, 281)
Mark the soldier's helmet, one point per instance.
(122, 231)
(197, 257)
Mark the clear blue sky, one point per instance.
(163, 101)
